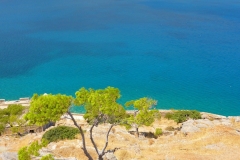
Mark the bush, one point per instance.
(158, 132)
(60, 133)
(183, 115)
(25, 153)
(170, 128)
(47, 157)
(2, 128)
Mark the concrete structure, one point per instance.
(29, 129)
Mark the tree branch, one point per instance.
(91, 136)
(82, 134)
(106, 144)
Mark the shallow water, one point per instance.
(185, 54)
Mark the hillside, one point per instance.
(217, 138)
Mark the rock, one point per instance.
(226, 122)
(189, 128)
(202, 122)
(206, 115)
(110, 156)
(236, 118)
(216, 122)
(201, 125)
(9, 156)
(52, 146)
(215, 146)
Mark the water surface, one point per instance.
(185, 54)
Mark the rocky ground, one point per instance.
(214, 137)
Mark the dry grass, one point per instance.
(150, 141)
(123, 155)
(225, 143)
(113, 130)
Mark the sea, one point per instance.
(183, 53)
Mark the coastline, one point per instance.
(26, 102)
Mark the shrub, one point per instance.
(170, 128)
(23, 154)
(47, 157)
(2, 128)
(26, 152)
(60, 133)
(34, 148)
(15, 109)
(183, 115)
(158, 132)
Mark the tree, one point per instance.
(47, 108)
(143, 116)
(100, 106)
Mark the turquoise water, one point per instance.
(185, 54)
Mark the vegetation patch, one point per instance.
(60, 133)
(158, 132)
(28, 152)
(169, 128)
(12, 116)
(183, 115)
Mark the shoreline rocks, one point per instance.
(191, 126)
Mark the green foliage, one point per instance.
(60, 133)
(158, 132)
(47, 157)
(46, 108)
(11, 115)
(44, 142)
(15, 109)
(101, 104)
(143, 115)
(183, 115)
(34, 148)
(169, 128)
(25, 153)
(15, 129)
(142, 103)
(2, 128)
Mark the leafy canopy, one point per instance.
(143, 115)
(46, 108)
(100, 104)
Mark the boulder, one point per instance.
(189, 128)
(9, 156)
(204, 122)
(110, 156)
(226, 122)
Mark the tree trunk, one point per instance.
(91, 137)
(137, 132)
(82, 134)
(100, 157)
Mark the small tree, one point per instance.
(143, 116)
(100, 106)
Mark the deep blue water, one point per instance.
(183, 53)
